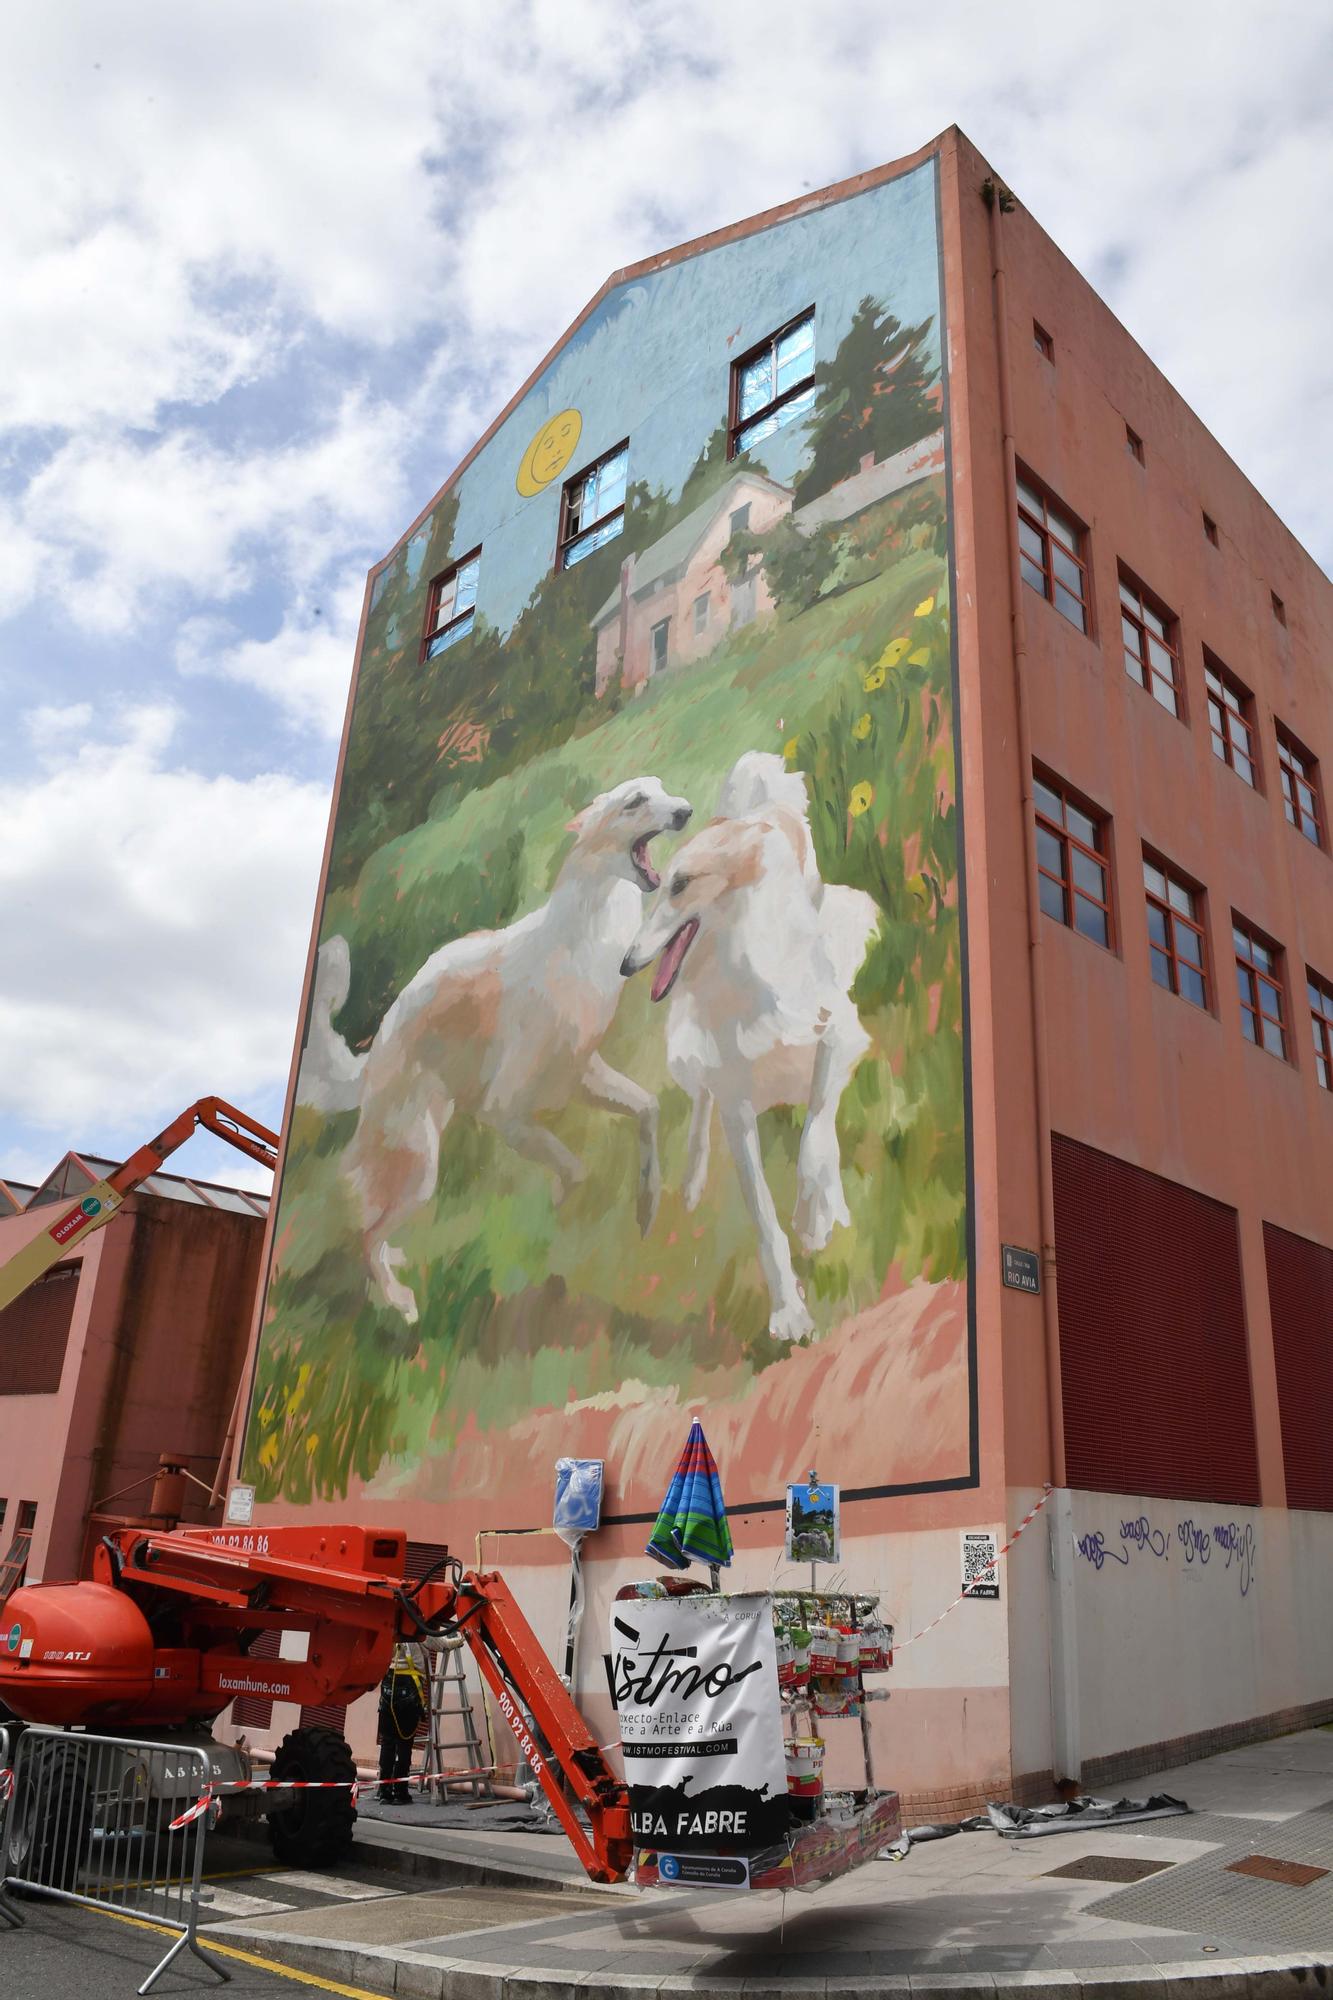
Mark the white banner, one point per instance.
(695, 1683)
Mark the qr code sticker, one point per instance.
(981, 1572)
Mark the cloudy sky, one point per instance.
(269, 266)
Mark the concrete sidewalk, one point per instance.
(1133, 1908)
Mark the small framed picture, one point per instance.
(814, 1523)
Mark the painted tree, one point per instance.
(878, 395)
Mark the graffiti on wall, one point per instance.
(633, 1082)
(1230, 1544)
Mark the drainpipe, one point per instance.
(997, 199)
(1063, 1638)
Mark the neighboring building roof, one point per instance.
(678, 544)
(79, 1170)
(15, 1196)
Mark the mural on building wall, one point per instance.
(633, 1084)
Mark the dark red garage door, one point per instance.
(1153, 1358)
(1300, 1298)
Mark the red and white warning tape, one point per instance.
(228, 1787)
(212, 1792)
(981, 1575)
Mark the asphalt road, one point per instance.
(65, 1952)
(62, 1951)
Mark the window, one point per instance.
(451, 606)
(1320, 995)
(1177, 953)
(659, 637)
(1073, 869)
(592, 509)
(773, 384)
(1299, 775)
(1134, 445)
(740, 521)
(1230, 719)
(1210, 529)
(701, 607)
(1279, 608)
(1042, 341)
(1151, 641)
(1263, 1012)
(1051, 559)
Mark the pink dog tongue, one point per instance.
(640, 853)
(670, 962)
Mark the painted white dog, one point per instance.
(329, 1078)
(506, 1025)
(759, 954)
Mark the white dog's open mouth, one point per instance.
(673, 957)
(638, 854)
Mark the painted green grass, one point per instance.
(524, 1306)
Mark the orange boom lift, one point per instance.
(72, 1224)
(163, 1636)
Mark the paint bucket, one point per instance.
(800, 1640)
(823, 1650)
(849, 1652)
(805, 1766)
(786, 1653)
(870, 1648)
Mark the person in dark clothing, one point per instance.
(402, 1706)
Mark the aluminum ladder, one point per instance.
(450, 1710)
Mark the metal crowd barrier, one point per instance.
(89, 1822)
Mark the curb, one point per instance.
(1298, 1976)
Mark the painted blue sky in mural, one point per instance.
(250, 329)
(708, 310)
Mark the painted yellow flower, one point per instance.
(312, 1444)
(861, 800)
(893, 652)
(920, 657)
(924, 608)
(268, 1452)
(789, 750)
(874, 679)
(861, 728)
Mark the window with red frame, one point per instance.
(1052, 555)
(1177, 950)
(1230, 719)
(1152, 643)
(1299, 775)
(451, 607)
(772, 385)
(1263, 1000)
(592, 507)
(1073, 866)
(1320, 995)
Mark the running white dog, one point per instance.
(506, 1025)
(759, 954)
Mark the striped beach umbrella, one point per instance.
(692, 1526)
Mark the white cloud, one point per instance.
(305, 668)
(129, 520)
(155, 926)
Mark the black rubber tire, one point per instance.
(316, 1829)
(50, 1850)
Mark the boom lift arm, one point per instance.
(97, 1206)
(164, 1632)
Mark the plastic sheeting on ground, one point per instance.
(1028, 1822)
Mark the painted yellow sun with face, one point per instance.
(549, 453)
